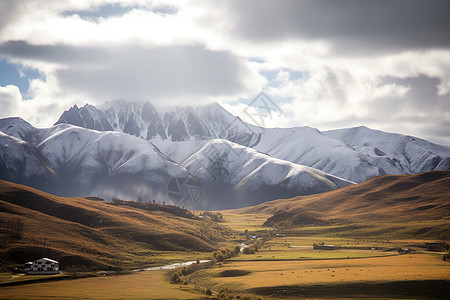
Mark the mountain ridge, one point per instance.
(89, 231)
(385, 198)
(75, 161)
(329, 151)
(133, 150)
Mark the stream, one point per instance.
(171, 266)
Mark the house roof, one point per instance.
(47, 259)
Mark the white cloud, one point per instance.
(10, 100)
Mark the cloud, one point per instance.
(133, 72)
(10, 100)
(328, 63)
(349, 26)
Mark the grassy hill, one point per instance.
(417, 204)
(95, 233)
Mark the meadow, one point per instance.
(364, 262)
(139, 285)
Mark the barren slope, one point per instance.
(93, 232)
(388, 198)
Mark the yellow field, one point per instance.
(241, 221)
(277, 273)
(366, 264)
(140, 285)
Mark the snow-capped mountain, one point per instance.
(409, 154)
(355, 154)
(132, 150)
(73, 161)
(21, 162)
(234, 176)
(179, 124)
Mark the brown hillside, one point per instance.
(86, 231)
(389, 198)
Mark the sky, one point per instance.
(323, 63)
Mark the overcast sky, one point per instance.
(327, 64)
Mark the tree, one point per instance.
(220, 257)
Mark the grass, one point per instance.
(97, 235)
(384, 207)
(411, 289)
(285, 266)
(286, 273)
(140, 285)
(239, 222)
(302, 255)
(10, 278)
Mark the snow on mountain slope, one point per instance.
(21, 162)
(409, 154)
(178, 124)
(71, 161)
(308, 146)
(234, 176)
(82, 162)
(355, 154)
(20, 129)
(179, 151)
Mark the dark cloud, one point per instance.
(134, 72)
(352, 26)
(59, 54)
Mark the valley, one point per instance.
(363, 262)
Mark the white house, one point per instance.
(44, 266)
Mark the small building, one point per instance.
(44, 266)
(324, 247)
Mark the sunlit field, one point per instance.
(276, 273)
(285, 266)
(140, 285)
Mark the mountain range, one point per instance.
(355, 154)
(199, 157)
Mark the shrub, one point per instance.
(225, 253)
(184, 271)
(225, 295)
(248, 250)
(175, 278)
(216, 217)
(220, 257)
